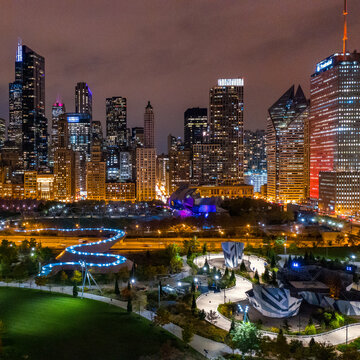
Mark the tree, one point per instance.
(212, 316)
(202, 314)
(140, 302)
(187, 333)
(75, 291)
(63, 276)
(193, 289)
(266, 276)
(232, 277)
(246, 337)
(273, 277)
(242, 267)
(41, 280)
(204, 249)
(256, 277)
(193, 304)
(77, 277)
(272, 261)
(116, 289)
(162, 316)
(129, 305)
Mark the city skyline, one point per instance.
(158, 65)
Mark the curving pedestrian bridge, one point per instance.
(93, 254)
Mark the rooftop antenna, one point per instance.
(345, 38)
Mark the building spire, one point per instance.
(345, 38)
(19, 51)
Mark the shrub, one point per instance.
(310, 330)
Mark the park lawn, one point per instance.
(44, 325)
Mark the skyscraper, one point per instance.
(116, 123)
(145, 174)
(226, 128)
(254, 151)
(78, 127)
(96, 174)
(335, 130)
(149, 136)
(285, 147)
(195, 126)
(27, 121)
(83, 99)
(58, 109)
(2, 132)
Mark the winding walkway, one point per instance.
(211, 301)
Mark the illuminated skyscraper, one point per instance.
(149, 136)
(75, 130)
(96, 174)
(195, 126)
(83, 99)
(116, 123)
(145, 174)
(335, 130)
(285, 147)
(2, 132)
(58, 109)
(226, 128)
(27, 121)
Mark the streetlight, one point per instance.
(132, 281)
(179, 284)
(244, 311)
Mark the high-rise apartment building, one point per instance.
(96, 174)
(27, 121)
(65, 175)
(58, 109)
(74, 129)
(206, 164)
(149, 135)
(145, 174)
(226, 128)
(116, 122)
(179, 167)
(195, 126)
(254, 151)
(137, 137)
(83, 99)
(285, 146)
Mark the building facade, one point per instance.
(285, 146)
(195, 126)
(334, 126)
(149, 126)
(145, 174)
(116, 121)
(83, 99)
(226, 122)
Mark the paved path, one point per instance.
(256, 263)
(211, 301)
(199, 343)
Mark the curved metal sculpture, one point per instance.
(90, 255)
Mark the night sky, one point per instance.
(172, 51)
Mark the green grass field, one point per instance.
(42, 325)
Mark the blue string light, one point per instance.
(75, 249)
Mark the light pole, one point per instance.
(244, 311)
